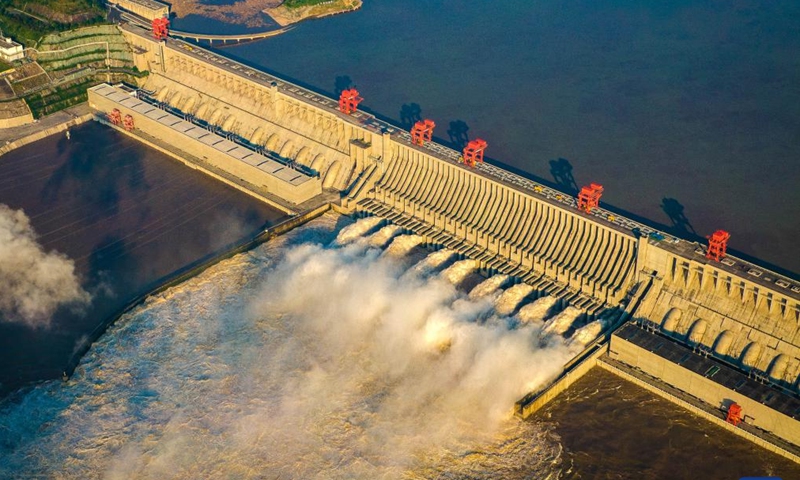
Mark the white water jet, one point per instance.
(587, 333)
(536, 311)
(357, 229)
(563, 321)
(381, 238)
(301, 362)
(402, 245)
(457, 272)
(433, 261)
(488, 287)
(510, 299)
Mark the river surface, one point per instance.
(688, 112)
(342, 350)
(126, 215)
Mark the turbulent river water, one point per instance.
(304, 358)
(322, 355)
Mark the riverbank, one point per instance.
(15, 137)
(284, 15)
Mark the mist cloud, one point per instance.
(305, 361)
(33, 283)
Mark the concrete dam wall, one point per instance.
(265, 110)
(608, 266)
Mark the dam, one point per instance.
(719, 332)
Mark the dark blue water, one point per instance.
(687, 111)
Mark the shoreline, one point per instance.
(16, 137)
(285, 16)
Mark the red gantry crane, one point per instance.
(115, 116)
(717, 245)
(589, 197)
(734, 414)
(128, 123)
(422, 131)
(349, 100)
(160, 28)
(473, 152)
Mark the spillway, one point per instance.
(536, 311)
(224, 375)
(299, 150)
(490, 286)
(511, 298)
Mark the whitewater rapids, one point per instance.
(300, 359)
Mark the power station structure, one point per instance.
(714, 333)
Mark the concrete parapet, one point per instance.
(531, 404)
(701, 409)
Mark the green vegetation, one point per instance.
(59, 98)
(303, 3)
(52, 100)
(28, 21)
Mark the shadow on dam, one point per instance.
(127, 215)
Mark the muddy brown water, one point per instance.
(127, 215)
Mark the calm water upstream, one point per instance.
(687, 111)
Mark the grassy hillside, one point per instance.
(28, 21)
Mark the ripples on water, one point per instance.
(301, 359)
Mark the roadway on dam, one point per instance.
(127, 215)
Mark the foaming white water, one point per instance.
(511, 297)
(294, 360)
(559, 324)
(357, 229)
(457, 272)
(381, 238)
(433, 261)
(587, 333)
(488, 287)
(403, 244)
(536, 311)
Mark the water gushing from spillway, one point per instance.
(457, 272)
(559, 324)
(403, 244)
(587, 333)
(510, 299)
(382, 237)
(488, 287)
(433, 261)
(357, 229)
(536, 311)
(295, 360)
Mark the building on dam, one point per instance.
(704, 329)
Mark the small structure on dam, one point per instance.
(698, 300)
